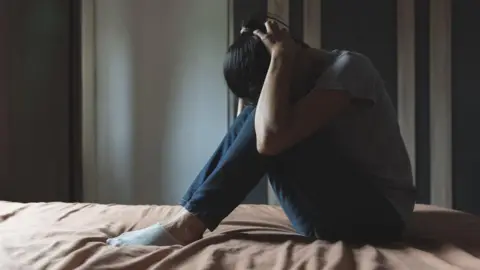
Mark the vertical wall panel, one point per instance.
(4, 93)
(465, 104)
(75, 99)
(89, 157)
(406, 74)
(422, 99)
(296, 18)
(440, 103)
(279, 9)
(312, 23)
(368, 27)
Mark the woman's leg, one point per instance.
(231, 173)
(219, 153)
(360, 214)
(326, 198)
(229, 176)
(322, 196)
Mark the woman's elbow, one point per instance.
(270, 137)
(267, 145)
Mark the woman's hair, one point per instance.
(247, 62)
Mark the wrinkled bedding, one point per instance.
(72, 236)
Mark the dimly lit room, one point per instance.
(239, 134)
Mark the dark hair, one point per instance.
(247, 61)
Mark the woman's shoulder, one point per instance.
(350, 56)
(347, 62)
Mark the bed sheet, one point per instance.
(72, 236)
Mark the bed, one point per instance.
(72, 236)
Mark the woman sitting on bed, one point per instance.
(321, 125)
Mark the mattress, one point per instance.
(72, 236)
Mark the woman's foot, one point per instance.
(181, 230)
(155, 235)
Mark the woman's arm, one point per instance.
(278, 123)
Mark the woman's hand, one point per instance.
(278, 41)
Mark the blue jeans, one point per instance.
(323, 196)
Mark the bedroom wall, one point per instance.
(443, 151)
(137, 140)
(161, 100)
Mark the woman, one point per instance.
(321, 126)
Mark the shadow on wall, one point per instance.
(161, 96)
(160, 45)
(114, 101)
(158, 50)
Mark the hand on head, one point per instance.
(277, 40)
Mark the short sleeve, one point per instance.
(351, 72)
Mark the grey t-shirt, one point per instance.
(370, 135)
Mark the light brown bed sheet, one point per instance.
(72, 236)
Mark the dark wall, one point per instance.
(4, 69)
(368, 27)
(422, 100)
(296, 18)
(465, 104)
(39, 101)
